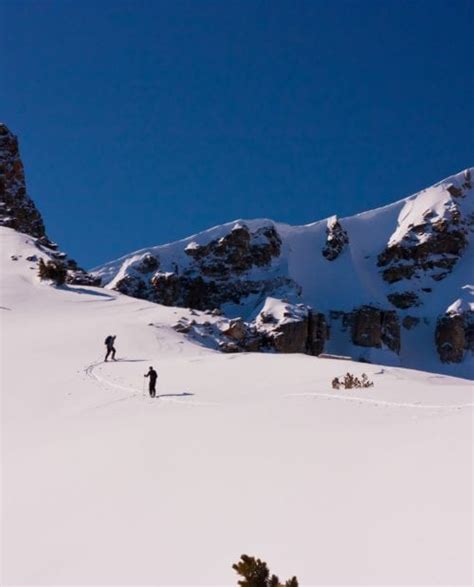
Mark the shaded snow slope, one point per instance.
(240, 453)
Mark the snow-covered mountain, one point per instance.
(392, 285)
(248, 452)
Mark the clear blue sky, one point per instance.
(141, 122)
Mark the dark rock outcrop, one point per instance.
(236, 329)
(18, 211)
(237, 251)
(430, 247)
(149, 263)
(454, 336)
(171, 289)
(450, 338)
(410, 322)
(292, 328)
(290, 337)
(404, 299)
(469, 331)
(217, 273)
(80, 276)
(336, 239)
(318, 333)
(372, 327)
(280, 327)
(132, 285)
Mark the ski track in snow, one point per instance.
(384, 403)
(89, 371)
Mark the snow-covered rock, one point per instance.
(455, 332)
(222, 271)
(336, 241)
(432, 233)
(291, 328)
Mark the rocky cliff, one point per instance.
(18, 211)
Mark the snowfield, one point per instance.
(242, 453)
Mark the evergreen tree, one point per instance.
(255, 573)
(54, 271)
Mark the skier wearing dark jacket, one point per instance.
(109, 343)
(152, 374)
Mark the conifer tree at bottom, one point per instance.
(255, 573)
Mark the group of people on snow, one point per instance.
(152, 375)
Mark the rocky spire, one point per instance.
(17, 209)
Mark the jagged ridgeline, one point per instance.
(18, 211)
(377, 286)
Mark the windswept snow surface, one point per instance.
(249, 453)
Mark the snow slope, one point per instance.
(240, 453)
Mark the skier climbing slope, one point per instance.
(110, 346)
(152, 375)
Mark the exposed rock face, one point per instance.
(469, 331)
(318, 333)
(236, 329)
(410, 322)
(367, 327)
(404, 300)
(132, 285)
(290, 337)
(336, 240)
(171, 289)
(280, 327)
(391, 331)
(372, 327)
(455, 336)
(292, 328)
(433, 244)
(216, 273)
(147, 264)
(79, 276)
(236, 252)
(17, 209)
(450, 338)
